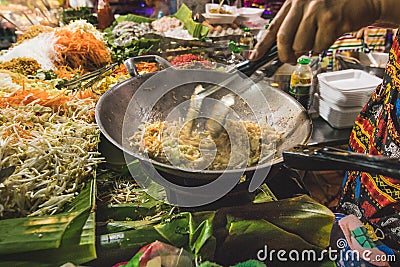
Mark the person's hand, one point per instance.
(313, 25)
(361, 33)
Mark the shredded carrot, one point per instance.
(78, 48)
(57, 102)
(146, 67)
(66, 72)
(26, 96)
(122, 70)
(87, 93)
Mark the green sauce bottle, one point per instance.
(301, 82)
(246, 41)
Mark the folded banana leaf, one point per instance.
(290, 224)
(233, 234)
(52, 240)
(197, 30)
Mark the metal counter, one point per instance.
(323, 133)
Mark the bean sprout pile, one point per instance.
(55, 153)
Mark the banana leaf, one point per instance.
(52, 240)
(234, 234)
(298, 223)
(297, 215)
(197, 30)
(191, 231)
(134, 18)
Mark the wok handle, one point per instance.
(248, 67)
(130, 63)
(328, 158)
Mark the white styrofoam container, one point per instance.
(337, 116)
(232, 9)
(215, 18)
(249, 13)
(347, 88)
(223, 19)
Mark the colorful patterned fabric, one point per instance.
(347, 42)
(375, 199)
(374, 39)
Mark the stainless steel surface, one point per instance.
(323, 133)
(287, 116)
(131, 62)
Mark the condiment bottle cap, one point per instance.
(303, 60)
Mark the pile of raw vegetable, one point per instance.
(131, 35)
(47, 130)
(50, 81)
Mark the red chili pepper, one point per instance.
(186, 58)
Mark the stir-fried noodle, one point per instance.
(240, 144)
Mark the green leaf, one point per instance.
(134, 18)
(301, 215)
(200, 233)
(247, 237)
(176, 230)
(75, 250)
(51, 240)
(265, 195)
(197, 30)
(209, 264)
(132, 239)
(119, 226)
(250, 263)
(134, 262)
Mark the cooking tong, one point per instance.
(247, 67)
(329, 158)
(88, 79)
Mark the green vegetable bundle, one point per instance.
(84, 13)
(121, 52)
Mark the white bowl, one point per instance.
(219, 19)
(250, 12)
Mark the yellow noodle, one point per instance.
(158, 136)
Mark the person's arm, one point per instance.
(389, 11)
(313, 25)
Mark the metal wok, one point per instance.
(283, 112)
